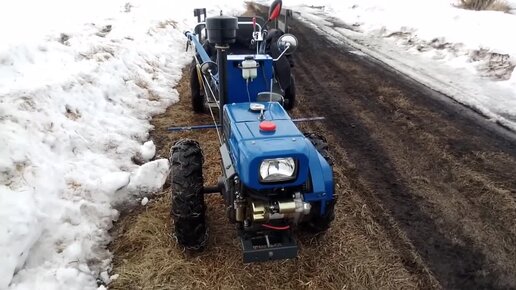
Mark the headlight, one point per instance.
(278, 169)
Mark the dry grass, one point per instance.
(147, 257)
(495, 5)
(354, 254)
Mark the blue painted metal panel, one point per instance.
(237, 90)
(249, 146)
(322, 179)
(239, 112)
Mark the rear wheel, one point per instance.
(188, 208)
(318, 224)
(290, 95)
(196, 92)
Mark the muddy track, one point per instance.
(439, 179)
(427, 192)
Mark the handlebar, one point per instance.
(239, 22)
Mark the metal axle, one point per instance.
(213, 126)
(211, 189)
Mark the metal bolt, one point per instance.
(293, 139)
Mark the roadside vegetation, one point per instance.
(495, 5)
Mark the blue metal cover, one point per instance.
(249, 147)
(237, 90)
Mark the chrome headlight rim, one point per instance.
(286, 178)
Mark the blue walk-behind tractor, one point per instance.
(275, 179)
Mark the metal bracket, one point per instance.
(229, 169)
(268, 246)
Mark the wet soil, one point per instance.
(440, 180)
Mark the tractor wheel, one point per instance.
(196, 90)
(290, 95)
(321, 145)
(320, 223)
(188, 208)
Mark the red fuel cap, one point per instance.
(267, 126)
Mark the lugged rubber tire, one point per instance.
(290, 95)
(188, 208)
(320, 224)
(196, 94)
(321, 145)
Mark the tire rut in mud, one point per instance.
(438, 179)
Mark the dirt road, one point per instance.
(427, 192)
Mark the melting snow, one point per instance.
(80, 81)
(467, 55)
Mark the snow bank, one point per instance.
(148, 150)
(468, 55)
(80, 82)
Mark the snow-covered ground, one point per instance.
(468, 55)
(79, 82)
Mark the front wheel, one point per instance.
(319, 224)
(321, 145)
(188, 208)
